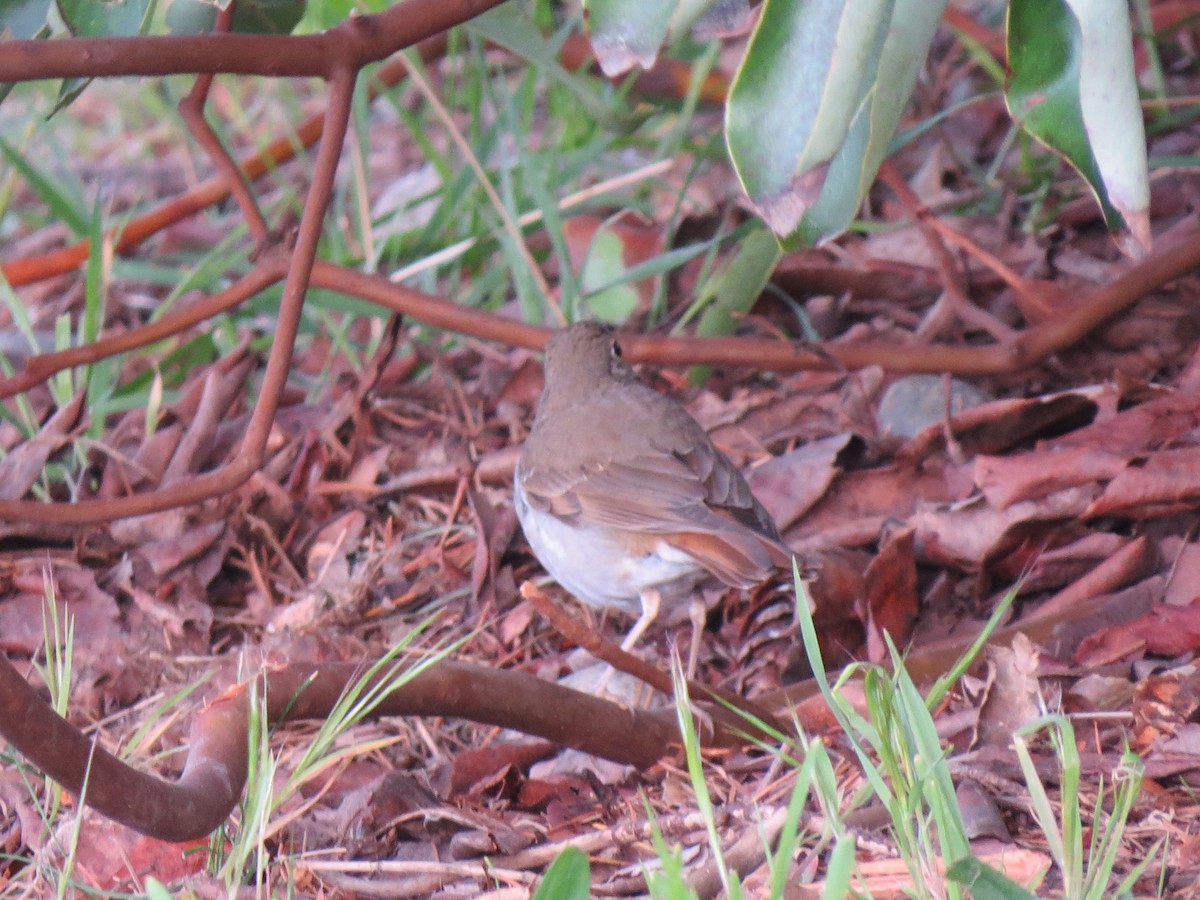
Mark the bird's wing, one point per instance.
(647, 493)
(696, 501)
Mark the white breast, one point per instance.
(595, 566)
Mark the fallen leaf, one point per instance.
(790, 485)
(1013, 697)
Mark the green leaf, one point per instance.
(249, 16)
(1043, 86)
(735, 289)
(627, 33)
(1112, 112)
(985, 882)
(1072, 86)
(22, 19)
(739, 284)
(113, 18)
(568, 878)
(609, 299)
(869, 138)
(87, 18)
(808, 70)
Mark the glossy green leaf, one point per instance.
(21, 20)
(87, 18)
(1043, 87)
(808, 72)
(853, 168)
(722, 18)
(1072, 86)
(1112, 112)
(629, 33)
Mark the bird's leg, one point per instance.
(651, 600)
(698, 613)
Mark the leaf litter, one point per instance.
(385, 505)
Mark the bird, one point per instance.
(622, 495)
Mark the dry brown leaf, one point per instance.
(494, 531)
(1152, 486)
(1006, 480)
(1163, 704)
(149, 463)
(1013, 693)
(1167, 631)
(1002, 424)
(112, 857)
(1160, 422)
(890, 594)
(1061, 565)
(980, 814)
(789, 485)
(24, 464)
(967, 536)
(861, 502)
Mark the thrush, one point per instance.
(622, 495)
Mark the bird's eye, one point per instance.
(616, 351)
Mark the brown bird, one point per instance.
(621, 493)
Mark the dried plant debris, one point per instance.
(383, 511)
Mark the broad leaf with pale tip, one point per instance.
(627, 33)
(1073, 87)
(816, 102)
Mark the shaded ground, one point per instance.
(386, 506)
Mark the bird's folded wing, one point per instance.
(715, 519)
(654, 493)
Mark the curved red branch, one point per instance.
(215, 771)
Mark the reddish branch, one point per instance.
(1027, 349)
(191, 110)
(208, 192)
(747, 713)
(355, 43)
(215, 771)
(339, 54)
(249, 455)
